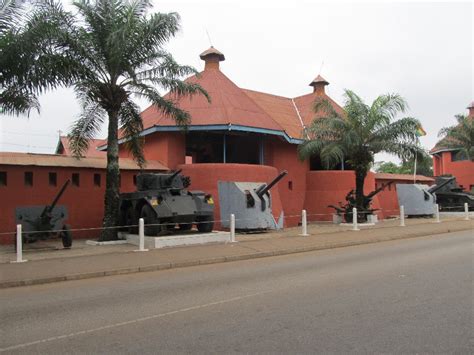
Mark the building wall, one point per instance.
(329, 187)
(463, 170)
(292, 188)
(169, 148)
(84, 202)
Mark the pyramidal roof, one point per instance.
(234, 106)
(319, 80)
(229, 105)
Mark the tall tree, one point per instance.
(109, 51)
(360, 133)
(460, 137)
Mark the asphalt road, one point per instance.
(407, 296)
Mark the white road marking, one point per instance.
(120, 324)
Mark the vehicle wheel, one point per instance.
(149, 217)
(183, 227)
(131, 220)
(66, 236)
(205, 225)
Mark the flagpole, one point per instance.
(414, 170)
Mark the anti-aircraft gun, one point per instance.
(450, 196)
(163, 201)
(251, 204)
(345, 210)
(45, 222)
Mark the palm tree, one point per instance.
(460, 137)
(359, 134)
(109, 51)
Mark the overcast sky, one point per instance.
(423, 51)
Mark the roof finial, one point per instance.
(212, 57)
(318, 84)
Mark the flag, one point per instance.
(420, 132)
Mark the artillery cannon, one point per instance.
(250, 202)
(45, 222)
(450, 196)
(163, 201)
(345, 210)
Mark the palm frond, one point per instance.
(86, 127)
(131, 125)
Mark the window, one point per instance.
(53, 179)
(28, 178)
(134, 180)
(75, 179)
(3, 178)
(290, 185)
(97, 181)
(457, 156)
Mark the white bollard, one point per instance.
(437, 214)
(402, 216)
(141, 235)
(304, 224)
(19, 245)
(466, 211)
(232, 228)
(354, 219)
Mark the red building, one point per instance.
(241, 135)
(446, 162)
(35, 179)
(247, 135)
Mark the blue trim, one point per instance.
(217, 127)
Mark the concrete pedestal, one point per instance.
(180, 240)
(336, 219)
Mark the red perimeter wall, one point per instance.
(328, 187)
(84, 202)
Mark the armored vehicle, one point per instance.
(163, 201)
(45, 222)
(450, 196)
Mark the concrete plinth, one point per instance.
(372, 218)
(180, 240)
(336, 218)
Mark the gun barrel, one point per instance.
(50, 207)
(262, 190)
(176, 173)
(437, 187)
(375, 192)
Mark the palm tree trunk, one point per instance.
(360, 179)
(111, 203)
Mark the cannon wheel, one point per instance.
(205, 224)
(149, 216)
(66, 236)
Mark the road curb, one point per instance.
(219, 259)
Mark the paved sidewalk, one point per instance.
(82, 262)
